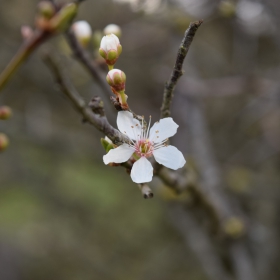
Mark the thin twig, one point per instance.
(99, 121)
(177, 70)
(83, 56)
(22, 54)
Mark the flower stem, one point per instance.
(123, 98)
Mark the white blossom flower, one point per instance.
(82, 31)
(144, 144)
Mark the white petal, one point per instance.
(112, 42)
(119, 154)
(163, 129)
(128, 125)
(142, 171)
(112, 72)
(170, 157)
(103, 43)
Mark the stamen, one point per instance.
(148, 129)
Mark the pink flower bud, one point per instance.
(110, 48)
(26, 32)
(116, 79)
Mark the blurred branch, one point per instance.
(226, 86)
(177, 70)
(23, 53)
(146, 191)
(98, 120)
(83, 56)
(212, 187)
(192, 231)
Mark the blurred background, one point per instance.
(65, 215)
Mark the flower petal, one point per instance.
(129, 125)
(142, 171)
(162, 130)
(119, 154)
(170, 157)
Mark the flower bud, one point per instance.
(116, 79)
(113, 29)
(110, 49)
(82, 31)
(4, 142)
(62, 19)
(107, 144)
(26, 32)
(46, 9)
(5, 112)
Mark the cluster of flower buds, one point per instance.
(52, 20)
(110, 49)
(5, 113)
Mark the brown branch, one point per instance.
(177, 70)
(83, 56)
(26, 49)
(98, 120)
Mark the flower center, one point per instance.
(144, 148)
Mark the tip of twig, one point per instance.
(197, 23)
(146, 191)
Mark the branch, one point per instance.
(22, 54)
(88, 112)
(83, 56)
(177, 70)
(211, 186)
